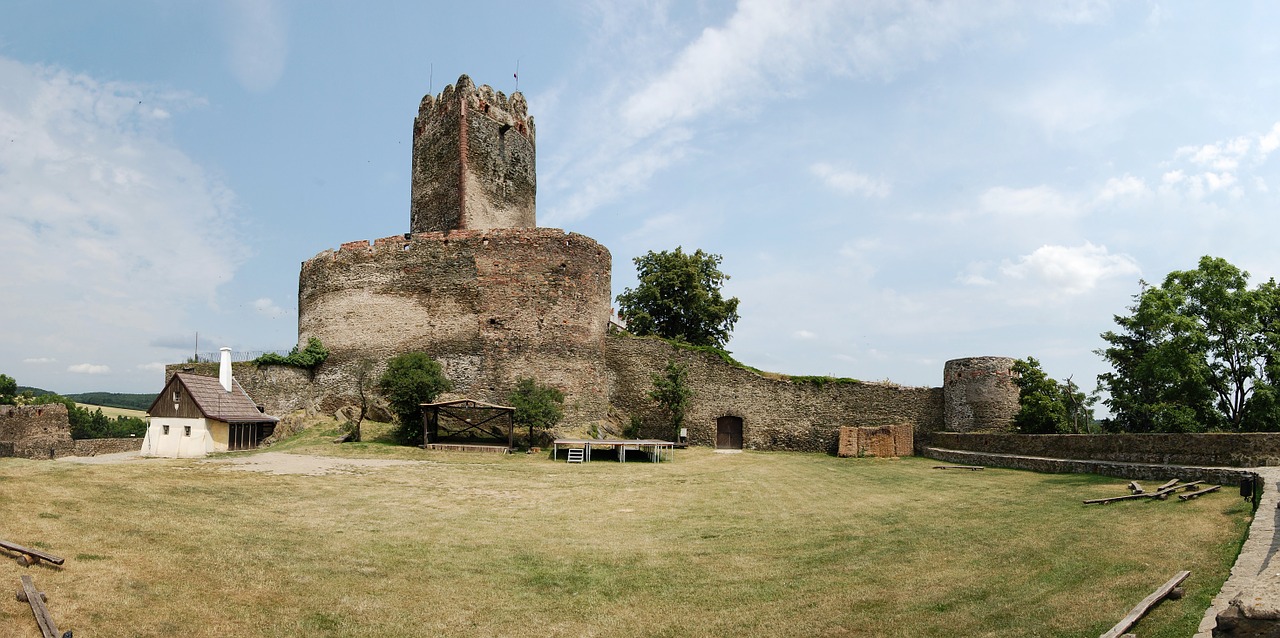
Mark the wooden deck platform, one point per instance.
(468, 447)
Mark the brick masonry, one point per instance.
(883, 442)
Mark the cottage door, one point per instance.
(729, 433)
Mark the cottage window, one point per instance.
(166, 430)
(176, 393)
(186, 430)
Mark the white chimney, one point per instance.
(224, 369)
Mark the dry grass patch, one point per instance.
(763, 544)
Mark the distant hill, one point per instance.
(114, 399)
(36, 391)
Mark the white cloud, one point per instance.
(155, 366)
(106, 223)
(268, 308)
(1038, 201)
(1070, 106)
(804, 335)
(1122, 188)
(1069, 270)
(257, 35)
(850, 182)
(40, 360)
(89, 368)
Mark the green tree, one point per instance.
(538, 407)
(308, 358)
(410, 380)
(678, 297)
(671, 392)
(8, 388)
(1047, 406)
(1199, 352)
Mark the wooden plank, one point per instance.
(14, 547)
(1160, 494)
(958, 467)
(1134, 488)
(1190, 495)
(1169, 484)
(1145, 606)
(1113, 499)
(47, 627)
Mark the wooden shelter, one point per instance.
(468, 421)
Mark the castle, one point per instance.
(491, 296)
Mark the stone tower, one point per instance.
(979, 394)
(473, 161)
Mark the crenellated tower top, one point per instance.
(473, 161)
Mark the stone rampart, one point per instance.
(94, 447)
(1218, 449)
(1138, 471)
(36, 431)
(776, 414)
(492, 306)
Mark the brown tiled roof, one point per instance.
(216, 403)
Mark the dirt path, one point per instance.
(282, 463)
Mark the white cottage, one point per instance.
(197, 415)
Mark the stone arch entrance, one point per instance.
(729, 433)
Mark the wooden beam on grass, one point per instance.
(1171, 483)
(959, 467)
(1134, 488)
(1190, 495)
(30, 595)
(1145, 606)
(34, 553)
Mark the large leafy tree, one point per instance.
(8, 388)
(678, 297)
(538, 407)
(1047, 406)
(410, 380)
(1199, 352)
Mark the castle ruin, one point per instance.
(479, 287)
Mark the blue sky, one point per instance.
(891, 184)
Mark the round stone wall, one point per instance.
(979, 394)
(492, 306)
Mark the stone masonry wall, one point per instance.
(473, 161)
(492, 306)
(979, 394)
(94, 447)
(36, 431)
(777, 414)
(1232, 450)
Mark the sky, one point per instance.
(891, 184)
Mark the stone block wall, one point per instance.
(1218, 449)
(36, 431)
(884, 441)
(94, 447)
(980, 394)
(777, 414)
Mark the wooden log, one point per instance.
(1190, 495)
(1113, 499)
(1143, 607)
(48, 628)
(21, 596)
(1160, 494)
(1134, 488)
(958, 467)
(1164, 493)
(34, 553)
(1171, 483)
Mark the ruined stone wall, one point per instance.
(883, 442)
(979, 394)
(94, 447)
(492, 306)
(1225, 449)
(473, 161)
(36, 431)
(777, 414)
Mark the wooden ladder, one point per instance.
(576, 455)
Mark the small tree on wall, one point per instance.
(538, 407)
(410, 380)
(671, 392)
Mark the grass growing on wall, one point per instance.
(751, 544)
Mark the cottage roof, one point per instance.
(215, 402)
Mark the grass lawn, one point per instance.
(114, 412)
(756, 544)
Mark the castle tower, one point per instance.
(979, 394)
(473, 161)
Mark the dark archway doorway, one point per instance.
(729, 433)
